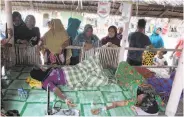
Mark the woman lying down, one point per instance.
(145, 103)
(87, 73)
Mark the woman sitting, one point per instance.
(111, 40)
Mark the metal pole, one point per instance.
(125, 38)
(8, 10)
(176, 91)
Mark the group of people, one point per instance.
(54, 41)
(139, 39)
(52, 45)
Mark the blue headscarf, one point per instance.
(156, 39)
(72, 30)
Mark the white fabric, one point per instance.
(176, 91)
(158, 61)
(62, 58)
(139, 111)
(160, 72)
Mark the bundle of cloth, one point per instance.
(88, 73)
(162, 82)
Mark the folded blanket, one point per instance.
(88, 73)
(160, 72)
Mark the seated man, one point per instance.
(146, 103)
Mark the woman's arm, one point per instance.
(118, 104)
(58, 92)
(114, 105)
(104, 41)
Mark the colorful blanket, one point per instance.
(88, 73)
(129, 79)
(126, 74)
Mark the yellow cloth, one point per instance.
(55, 37)
(33, 83)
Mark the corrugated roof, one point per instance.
(146, 8)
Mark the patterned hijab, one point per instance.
(148, 103)
(30, 21)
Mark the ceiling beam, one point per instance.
(31, 5)
(164, 12)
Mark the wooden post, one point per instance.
(125, 38)
(9, 21)
(176, 91)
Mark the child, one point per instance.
(159, 59)
(146, 102)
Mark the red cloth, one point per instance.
(145, 72)
(180, 46)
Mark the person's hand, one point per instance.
(10, 33)
(133, 108)
(69, 103)
(95, 111)
(88, 46)
(109, 44)
(23, 41)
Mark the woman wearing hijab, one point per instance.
(34, 32)
(87, 73)
(54, 42)
(20, 29)
(50, 78)
(87, 38)
(156, 39)
(72, 30)
(112, 38)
